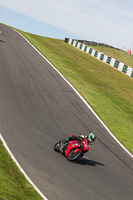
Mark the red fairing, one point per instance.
(83, 147)
(71, 145)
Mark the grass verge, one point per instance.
(114, 53)
(13, 185)
(108, 91)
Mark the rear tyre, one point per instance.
(57, 146)
(73, 156)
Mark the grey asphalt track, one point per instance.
(38, 108)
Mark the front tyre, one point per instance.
(73, 155)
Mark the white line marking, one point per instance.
(18, 165)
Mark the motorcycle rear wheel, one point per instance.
(57, 146)
(73, 156)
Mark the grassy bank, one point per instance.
(119, 55)
(13, 185)
(109, 92)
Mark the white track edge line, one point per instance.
(20, 168)
(80, 97)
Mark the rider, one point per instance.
(90, 139)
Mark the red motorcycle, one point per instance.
(72, 149)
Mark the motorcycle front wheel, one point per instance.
(73, 155)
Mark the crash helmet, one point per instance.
(91, 137)
(82, 137)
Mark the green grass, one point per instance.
(108, 91)
(119, 55)
(13, 185)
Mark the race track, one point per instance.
(38, 108)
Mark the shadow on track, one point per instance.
(85, 161)
(2, 41)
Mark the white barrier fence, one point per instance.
(102, 57)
